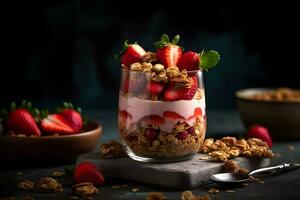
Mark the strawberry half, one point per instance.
(131, 53)
(189, 61)
(87, 172)
(168, 53)
(175, 93)
(56, 123)
(21, 121)
(155, 87)
(73, 118)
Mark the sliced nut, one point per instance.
(158, 67)
(112, 149)
(149, 57)
(231, 166)
(49, 184)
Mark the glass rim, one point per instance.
(128, 70)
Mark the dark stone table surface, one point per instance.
(281, 186)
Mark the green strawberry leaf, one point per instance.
(165, 38)
(125, 46)
(176, 39)
(209, 59)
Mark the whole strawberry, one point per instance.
(168, 53)
(205, 60)
(131, 53)
(21, 121)
(87, 172)
(260, 132)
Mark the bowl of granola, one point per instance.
(162, 101)
(278, 109)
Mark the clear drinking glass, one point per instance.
(154, 128)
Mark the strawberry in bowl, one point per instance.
(30, 134)
(167, 111)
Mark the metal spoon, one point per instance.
(242, 177)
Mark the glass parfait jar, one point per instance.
(162, 114)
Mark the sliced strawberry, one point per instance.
(172, 115)
(21, 121)
(131, 53)
(87, 172)
(155, 88)
(197, 113)
(124, 114)
(55, 123)
(154, 120)
(261, 133)
(168, 53)
(175, 93)
(73, 118)
(189, 61)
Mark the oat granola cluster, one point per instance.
(85, 189)
(153, 142)
(185, 195)
(48, 184)
(229, 147)
(112, 149)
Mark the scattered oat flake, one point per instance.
(135, 189)
(290, 148)
(116, 186)
(277, 155)
(125, 185)
(213, 191)
(204, 158)
(19, 173)
(58, 174)
(261, 182)
(230, 191)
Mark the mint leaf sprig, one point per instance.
(208, 59)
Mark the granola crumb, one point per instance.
(19, 173)
(112, 149)
(135, 189)
(291, 148)
(26, 185)
(204, 158)
(156, 196)
(49, 184)
(85, 190)
(125, 185)
(231, 166)
(58, 174)
(230, 191)
(261, 182)
(213, 191)
(188, 195)
(245, 184)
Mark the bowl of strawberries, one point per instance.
(29, 134)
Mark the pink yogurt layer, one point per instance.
(167, 112)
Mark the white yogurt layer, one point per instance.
(140, 108)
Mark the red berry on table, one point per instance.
(73, 118)
(189, 61)
(21, 121)
(168, 53)
(260, 132)
(87, 172)
(182, 135)
(155, 87)
(56, 123)
(131, 53)
(150, 134)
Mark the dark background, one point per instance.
(63, 50)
